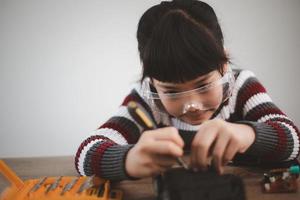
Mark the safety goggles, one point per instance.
(206, 97)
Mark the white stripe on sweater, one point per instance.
(295, 139)
(230, 108)
(256, 100)
(272, 116)
(112, 135)
(183, 125)
(241, 79)
(224, 112)
(83, 154)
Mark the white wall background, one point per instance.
(65, 65)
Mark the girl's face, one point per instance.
(194, 101)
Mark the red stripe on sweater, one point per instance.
(254, 116)
(97, 157)
(135, 97)
(250, 90)
(120, 129)
(83, 144)
(289, 123)
(282, 140)
(128, 99)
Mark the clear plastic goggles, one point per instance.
(203, 98)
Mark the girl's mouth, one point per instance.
(195, 118)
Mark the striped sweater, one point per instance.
(103, 153)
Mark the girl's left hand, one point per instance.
(217, 141)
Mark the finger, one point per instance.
(230, 151)
(195, 146)
(164, 147)
(164, 161)
(201, 146)
(218, 151)
(219, 169)
(156, 170)
(168, 133)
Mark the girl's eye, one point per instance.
(200, 86)
(203, 86)
(206, 85)
(170, 92)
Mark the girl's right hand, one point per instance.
(155, 152)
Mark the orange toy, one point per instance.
(57, 188)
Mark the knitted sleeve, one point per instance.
(103, 153)
(277, 137)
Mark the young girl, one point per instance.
(200, 104)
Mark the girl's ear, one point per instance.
(226, 51)
(225, 65)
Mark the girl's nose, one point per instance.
(192, 107)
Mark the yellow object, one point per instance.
(57, 188)
(141, 114)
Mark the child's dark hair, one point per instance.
(179, 41)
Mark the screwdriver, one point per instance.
(138, 113)
(86, 184)
(69, 186)
(54, 185)
(38, 185)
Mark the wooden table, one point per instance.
(29, 168)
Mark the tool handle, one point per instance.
(137, 113)
(10, 175)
